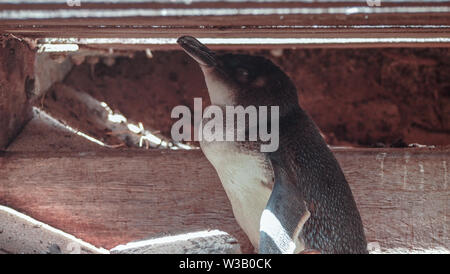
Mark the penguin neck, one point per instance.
(221, 92)
(220, 99)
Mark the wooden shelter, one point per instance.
(375, 78)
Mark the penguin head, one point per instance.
(240, 79)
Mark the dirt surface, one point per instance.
(366, 97)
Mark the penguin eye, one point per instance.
(242, 75)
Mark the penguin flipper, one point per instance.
(284, 216)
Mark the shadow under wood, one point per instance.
(357, 97)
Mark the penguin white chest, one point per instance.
(247, 178)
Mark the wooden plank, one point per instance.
(317, 23)
(105, 206)
(20, 234)
(113, 197)
(44, 133)
(403, 196)
(203, 242)
(16, 86)
(91, 115)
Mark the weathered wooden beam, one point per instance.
(119, 199)
(21, 234)
(92, 116)
(300, 23)
(201, 242)
(114, 197)
(16, 85)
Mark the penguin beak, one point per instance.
(199, 52)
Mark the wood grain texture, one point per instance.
(204, 242)
(16, 84)
(236, 19)
(21, 234)
(402, 195)
(114, 197)
(110, 199)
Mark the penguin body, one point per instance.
(293, 199)
(247, 177)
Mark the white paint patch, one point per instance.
(183, 146)
(381, 157)
(117, 118)
(151, 138)
(405, 170)
(133, 128)
(145, 135)
(247, 41)
(57, 47)
(113, 117)
(422, 176)
(444, 165)
(148, 53)
(24, 14)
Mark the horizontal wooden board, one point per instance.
(21, 234)
(114, 197)
(418, 23)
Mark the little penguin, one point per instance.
(295, 199)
